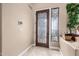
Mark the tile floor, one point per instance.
(42, 51)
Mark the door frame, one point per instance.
(47, 37)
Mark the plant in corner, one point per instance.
(73, 15)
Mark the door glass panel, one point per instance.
(42, 27)
(55, 30)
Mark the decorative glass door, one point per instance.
(55, 27)
(42, 28)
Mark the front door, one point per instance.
(42, 28)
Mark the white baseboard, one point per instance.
(22, 53)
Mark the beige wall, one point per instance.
(62, 14)
(0, 31)
(15, 38)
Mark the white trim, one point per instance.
(22, 53)
(61, 52)
(33, 45)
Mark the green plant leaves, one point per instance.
(73, 14)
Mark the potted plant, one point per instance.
(73, 15)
